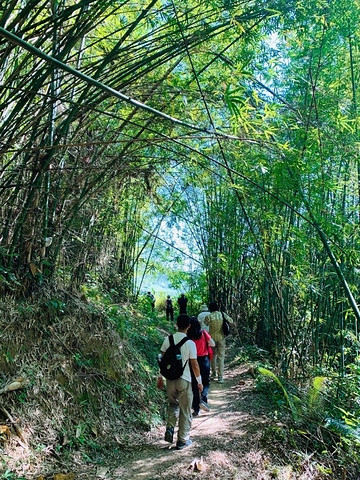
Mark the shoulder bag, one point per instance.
(225, 326)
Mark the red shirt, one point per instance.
(202, 344)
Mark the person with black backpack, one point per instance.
(178, 355)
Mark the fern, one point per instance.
(314, 393)
(269, 373)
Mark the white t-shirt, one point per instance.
(201, 317)
(188, 351)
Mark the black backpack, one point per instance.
(170, 365)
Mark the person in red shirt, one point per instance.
(203, 343)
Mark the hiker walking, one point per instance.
(203, 343)
(179, 391)
(169, 309)
(182, 302)
(215, 322)
(204, 313)
(151, 298)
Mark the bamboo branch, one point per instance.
(91, 81)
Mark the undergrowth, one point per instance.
(318, 417)
(90, 367)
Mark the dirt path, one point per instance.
(236, 440)
(226, 440)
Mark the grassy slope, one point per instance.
(90, 369)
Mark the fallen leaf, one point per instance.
(101, 472)
(4, 433)
(200, 464)
(197, 464)
(34, 269)
(14, 385)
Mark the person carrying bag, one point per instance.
(203, 343)
(218, 330)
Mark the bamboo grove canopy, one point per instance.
(237, 117)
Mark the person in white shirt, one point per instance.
(204, 313)
(179, 392)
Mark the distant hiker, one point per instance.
(151, 300)
(179, 392)
(182, 302)
(215, 322)
(203, 343)
(169, 309)
(204, 313)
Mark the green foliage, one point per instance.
(55, 306)
(308, 403)
(289, 403)
(82, 361)
(8, 279)
(268, 213)
(314, 396)
(8, 475)
(317, 416)
(81, 436)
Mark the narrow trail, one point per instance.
(237, 440)
(226, 440)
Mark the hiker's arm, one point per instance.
(160, 383)
(196, 369)
(210, 340)
(160, 379)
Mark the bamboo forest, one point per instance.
(152, 150)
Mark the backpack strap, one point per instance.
(181, 343)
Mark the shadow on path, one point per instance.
(212, 434)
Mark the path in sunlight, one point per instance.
(157, 458)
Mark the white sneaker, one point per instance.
(204, 406)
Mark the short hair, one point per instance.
(183, 321)
(213, 307)
(194, 331)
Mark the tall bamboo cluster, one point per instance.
(88, 91)
(238, 118)
(275, 217)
